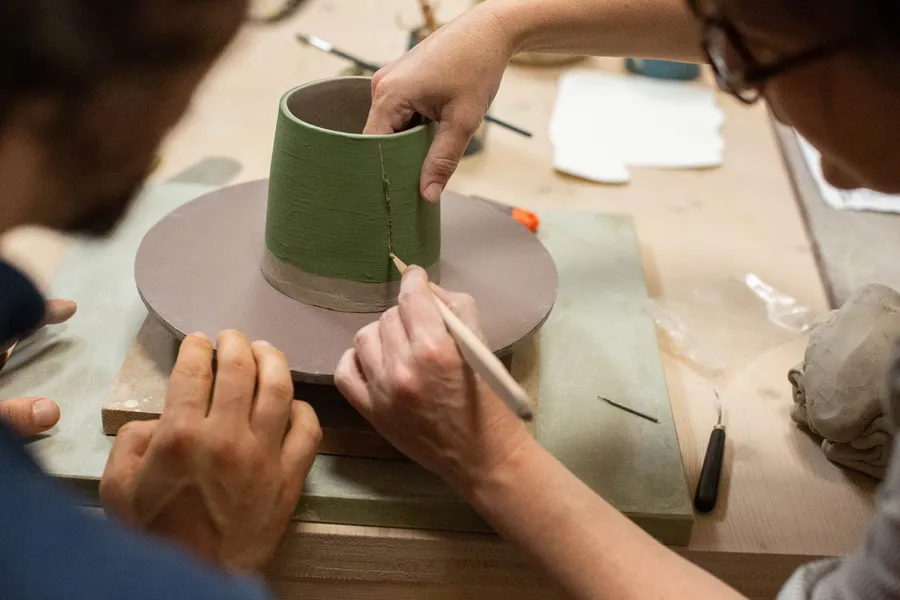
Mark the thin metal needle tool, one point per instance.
(630, 410)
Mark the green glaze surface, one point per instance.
(328, 210)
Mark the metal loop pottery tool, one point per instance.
(711, 471)
(481, 359)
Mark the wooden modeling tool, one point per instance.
(711, 471)
(481, 359)
(320, 44)
(428, 14)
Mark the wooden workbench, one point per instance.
(782, 501)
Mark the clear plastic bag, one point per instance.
(728, 323)
(781, 309)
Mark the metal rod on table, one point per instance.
(629, 410)
(707, 494)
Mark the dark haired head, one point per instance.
(89, 87)
(845, 100)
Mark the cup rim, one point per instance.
(282, 105)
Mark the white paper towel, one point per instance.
(604, 123)
(861, 199)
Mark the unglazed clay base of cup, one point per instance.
(331, 292)
(340, 201)
(199, 270)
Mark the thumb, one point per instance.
(463, 305)
(351, 383)
(443, 158)
(59, 311)
(29, 416)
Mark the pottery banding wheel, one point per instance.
(199, 270)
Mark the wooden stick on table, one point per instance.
(428, 15)
(481, 359)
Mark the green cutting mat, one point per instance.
(597, 341)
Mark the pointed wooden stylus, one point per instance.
(481, 359)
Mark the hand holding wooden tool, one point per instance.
(481, 359)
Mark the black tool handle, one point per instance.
(708, 485)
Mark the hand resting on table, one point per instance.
(33, 415)
(221, 471)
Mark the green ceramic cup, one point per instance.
(479, 138)
(340, 201)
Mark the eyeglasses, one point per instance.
(737, 71)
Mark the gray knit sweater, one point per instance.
(873, 570)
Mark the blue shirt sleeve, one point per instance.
(50, 549)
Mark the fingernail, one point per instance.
(61, 310)
(201, 335)
(414, 276)
(433, 192)
(44, 412)
(261, 344)
(68, 309)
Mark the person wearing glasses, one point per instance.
(829, 68)
(198, 501)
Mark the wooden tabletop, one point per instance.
(782, 501)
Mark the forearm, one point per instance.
(662, 29)
(587, 546)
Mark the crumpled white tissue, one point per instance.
(603, 123)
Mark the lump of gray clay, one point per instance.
(840, 388)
